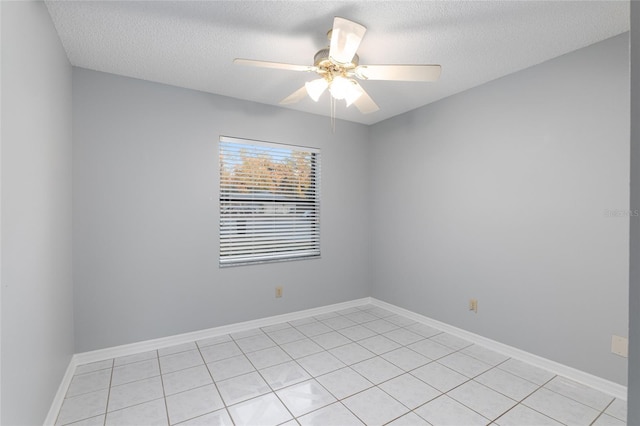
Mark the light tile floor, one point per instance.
(356, 366)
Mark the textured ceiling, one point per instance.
(192, 44)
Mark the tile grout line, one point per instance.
(164, 393)
(459, 350)
(602, 412)
(520, 402)
(108, 388)
(376, 386)
(106, 408)
(528, 395)
(517, 402)
(226, 408)
(579, 402)
(314, 378)
(376, 333)
(262, 377)
(455, 387)
(128, 383)
(403, 373)
(81, 394)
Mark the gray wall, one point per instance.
(146, 212)
(634, 278)
(499, 193)
(37, 307)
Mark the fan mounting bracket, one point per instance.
(329, 69)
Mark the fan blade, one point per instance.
(364, 103)
(398, 72)
(296, 96)
(345, 39)
(276, 65)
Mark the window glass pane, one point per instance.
(269, 202)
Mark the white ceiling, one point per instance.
(192, 44)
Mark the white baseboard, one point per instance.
(58, 399)
(611, 388)
(163, 342)
(607, 386)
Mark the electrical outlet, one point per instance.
(620, 346)
(473, 305)
(279, 291)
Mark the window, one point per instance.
(269, 202)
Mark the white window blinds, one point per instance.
(269, 202)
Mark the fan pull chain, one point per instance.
(332, 106)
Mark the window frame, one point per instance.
(287, 226)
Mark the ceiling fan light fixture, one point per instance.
(316, 88)
(339, 87)
(345, 88)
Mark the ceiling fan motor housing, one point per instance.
(321, 60)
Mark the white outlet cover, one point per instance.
(620, 346)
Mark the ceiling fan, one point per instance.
(338, 64)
